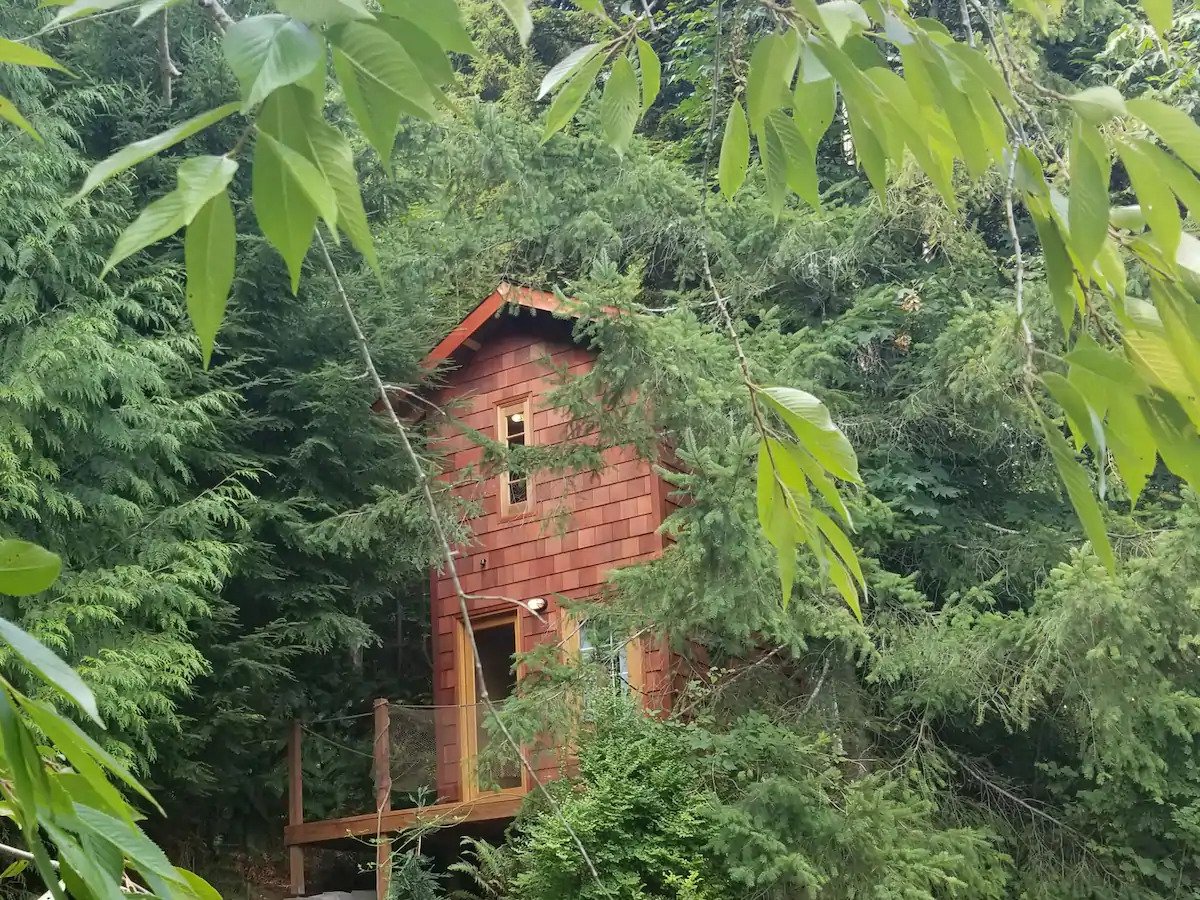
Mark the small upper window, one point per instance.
(514, 427)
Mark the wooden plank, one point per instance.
(482, 809)
(383, 794)
(295, 808)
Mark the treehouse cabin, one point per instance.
(534, 539)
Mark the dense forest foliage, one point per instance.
(245, 544)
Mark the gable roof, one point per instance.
(482, 314)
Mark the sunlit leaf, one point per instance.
(842, 18)
(134, 153)
(1174, 127)
(1090, 170)
(10, 113)
(200, 179)
(1097, 105)
(800, 161)
(562, 69)
(380, 82)
(620, 105)
(26, 568)
(285, 213)
(289, 120)
(325, 12)
(810, 421)
(518, 12)
(1154, 195)
(768, 83)
(570, 98)
(266, 52)
(52, 670)
(651, 72)
(17, 54)
(209, 248)
(735, 151)
(440, 18)
(1079, 491)
(1160, 14)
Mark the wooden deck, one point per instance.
(498, 806)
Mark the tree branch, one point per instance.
(221, 19)
(166, 66)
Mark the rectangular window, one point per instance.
(514, 429)
(496, 638)
(619, 659)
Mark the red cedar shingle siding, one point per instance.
(580, 528)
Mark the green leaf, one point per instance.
(1082, 419)
(1160, 15)
(518, 12)
(200, 179)
(267, 52)
(380, 81)
(838, 540)
(1096, 105)
(776, 520)
(843, 18)
(86, 7)
(42, 714)
(14, 869)
(814, 104)
(775, 161)
(841, 580)
(810, 421)
(1154, 195)
(1174, 127)
(64, 735)
(430, 58)
(570, 98)
(799, 158)
(26, 568)
(197, 886)
(134, 153)
(825, 487)
(324, 13)
(619, 107)
(10, 113)
(142, 852)
(735, 152)
(148, 8)
(1060, 273)
(311, 180)
(1088, 210)
(651, 70)
(768, 83)
(1131, 442)
(16, 54)
(52, 670)
(284, 210)
(441, 19)
(564, 67)
(1079, 491)
(209, 248)
(289, 120)
(1037, 10)
(1129, 218)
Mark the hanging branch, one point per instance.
(166, 66)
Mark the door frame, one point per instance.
(468, 719)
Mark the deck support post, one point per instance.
(383, 795)
(295, 808)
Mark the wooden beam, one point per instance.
(482, 809)
(383, 794)
(295, 808)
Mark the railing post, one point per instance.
(295, 808)
(383, 795)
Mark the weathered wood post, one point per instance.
(295, 808)
(383, 795)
